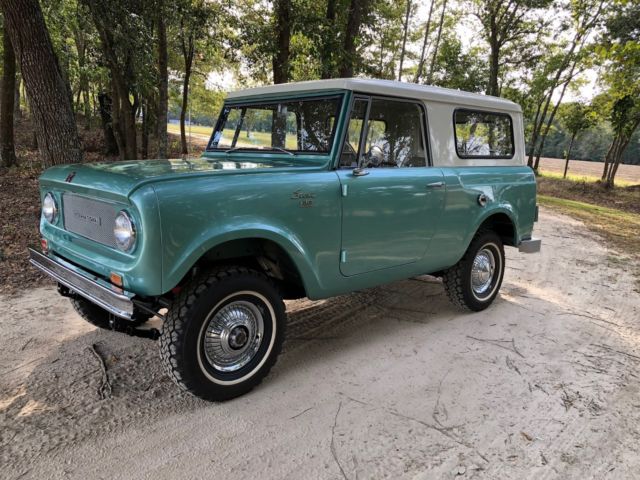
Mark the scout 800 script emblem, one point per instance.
(305, 198)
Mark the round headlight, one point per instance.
(49, 208)
(124, 231)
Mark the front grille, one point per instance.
(89, 218)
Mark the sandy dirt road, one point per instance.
(387, 383)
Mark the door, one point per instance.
(391, 198)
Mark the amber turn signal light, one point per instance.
(116, 279)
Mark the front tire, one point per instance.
(473, 283)
(223, 333)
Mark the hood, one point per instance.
(121, 178)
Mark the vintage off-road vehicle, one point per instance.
(310, 189)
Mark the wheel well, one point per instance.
(260, 254)
(503, 226)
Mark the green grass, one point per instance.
(195, 129)
(257, 139)
(618, 226)
(581, 178)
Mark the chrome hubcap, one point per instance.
(233, 336)
(482, 272)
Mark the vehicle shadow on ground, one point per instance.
(68, 398)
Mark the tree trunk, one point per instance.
(494, 68)
(543, 137)
(163, 85)
(17, 112)
(116, 122)
(354, 19)
(145, 129)
(534, 137)
(623, 143)
(283, 39)
(566, 162)
(111, 147)
(425, 42)
(51, 108)
(404, 39)
(8, 92)
(328, 41)
(436, 46)
(187, 53)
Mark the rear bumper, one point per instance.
(94, 289)
(530, 246)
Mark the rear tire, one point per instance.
(99, 317)
(473, 283)
(223, 333)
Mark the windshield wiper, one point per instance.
(235, 149)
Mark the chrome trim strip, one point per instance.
(91, 288)
(530, 246)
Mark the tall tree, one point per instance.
(195, 18)
(7, 98)
(357, 9)
(49, 101)
(282, 10)
(620, 52)
(187, 47)
(328, 47)
(585, 16)
(7, 148)
(505, 23)
(125, 39)
(574, 117)
(163, 82)
(437, 45)
(425, 42)
(404, 38)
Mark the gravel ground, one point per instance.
(391, 382)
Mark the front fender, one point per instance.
(215, 236)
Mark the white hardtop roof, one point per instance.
(384, 87)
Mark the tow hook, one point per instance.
(123, 326)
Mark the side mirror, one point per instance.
(374, 157)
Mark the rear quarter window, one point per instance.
(481, 134)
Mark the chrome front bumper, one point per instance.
(94, 289)
(530, 246)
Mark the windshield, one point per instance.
(291, 126)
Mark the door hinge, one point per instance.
(343, 256)
(345, 190)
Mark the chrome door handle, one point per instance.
(435, 185)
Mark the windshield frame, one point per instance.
(252, 102)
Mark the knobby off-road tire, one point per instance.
(99, 317)
(473, 283)
(223, 333)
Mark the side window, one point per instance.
(351, 147)
(483, 134)
(395, 136)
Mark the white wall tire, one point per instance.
(474, 282)
(210, 344)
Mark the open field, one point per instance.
(200, 133)
(627, 174)
(390, 382)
